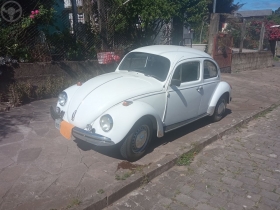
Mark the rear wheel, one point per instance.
(137, 140)
(220, 109)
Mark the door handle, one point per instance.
(199, 88)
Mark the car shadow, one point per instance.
(113, 151)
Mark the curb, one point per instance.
(123, 188)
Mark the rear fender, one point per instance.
(222, 88)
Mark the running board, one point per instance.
(183, 123)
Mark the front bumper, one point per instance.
(92, 138)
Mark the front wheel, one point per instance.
(220, 109)
(137, 140)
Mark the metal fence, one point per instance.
(40, 30)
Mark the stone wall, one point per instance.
(33, 81)
(251, 60)
(38, 72)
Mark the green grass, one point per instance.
(123, 176)
(74, 202)
(185, 159)
(100, 191)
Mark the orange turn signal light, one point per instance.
(79, 84)
(127, 103)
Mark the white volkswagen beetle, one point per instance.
(156, 87)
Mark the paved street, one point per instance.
(239, 171)
(39, 169)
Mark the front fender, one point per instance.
(222, 88)
(124, 117)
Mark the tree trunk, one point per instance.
(177, 34)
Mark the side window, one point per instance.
(210, 70)
(187, 72)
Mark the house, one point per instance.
(253, 14)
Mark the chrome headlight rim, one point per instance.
(106, 122)
(62, 98)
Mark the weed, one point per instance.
(74, 202)
(145, 180)
(264, 113)
(185, 159)
(123, 176)
(177, 192)
(100, 191)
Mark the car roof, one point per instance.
(168, 51)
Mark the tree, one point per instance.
(188, 13)
(139, 22)
(224, 6)
(277, 12)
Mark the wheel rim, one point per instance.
(140, 139)
(221, 108)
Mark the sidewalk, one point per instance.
(39, 169)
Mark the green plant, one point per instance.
(74, 202)
(185, 159)
(100, 191)
(124, 176)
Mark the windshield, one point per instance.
(149, 64)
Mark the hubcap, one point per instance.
(221, 108)
(140, 139)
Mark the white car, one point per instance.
(154, 88)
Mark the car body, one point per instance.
(154, 88)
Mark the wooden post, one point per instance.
(243, 30)
(213, 31)
(261, 37)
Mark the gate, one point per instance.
(222, 52)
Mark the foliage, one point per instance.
(224, 6)
(66, 46)
(253, 30)
(185, 159)
(24, 92)
(140, 21)
(16, 37)
(277, 12)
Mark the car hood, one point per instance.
(99, 94)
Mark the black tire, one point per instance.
(220, 109)
(133, 148)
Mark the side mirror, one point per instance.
(175, 82)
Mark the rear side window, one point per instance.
(210, 70)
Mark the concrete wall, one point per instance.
(251, 60)
(201, 47)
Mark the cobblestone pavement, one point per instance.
(239, 171)
(39, 169)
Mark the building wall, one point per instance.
(251, 61)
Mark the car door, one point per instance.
(210, 82)
(183, 101)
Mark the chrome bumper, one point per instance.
(91, 138)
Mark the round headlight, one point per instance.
(106, 123)
(62, 98)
